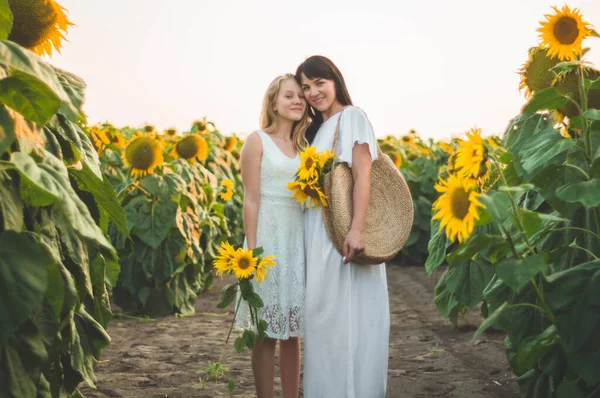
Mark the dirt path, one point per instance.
(165, 357)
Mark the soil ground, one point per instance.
(166, 357)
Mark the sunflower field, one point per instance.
(57, 265)
(179, 194)
(87, 212)
(519, 223)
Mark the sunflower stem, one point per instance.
(233, 320)
(540, 309)
(513, 206)
(583, 95)
(595, 235)
(585, 250)
(510, 241)
(572, 166)
(541, 298)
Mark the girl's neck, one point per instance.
(333, 109)
(284, 129)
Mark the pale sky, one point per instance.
(440, 67)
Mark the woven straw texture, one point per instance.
(389, 214)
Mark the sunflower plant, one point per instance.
(419, 161)
(246, 265)
(529, 256)
(307, 186)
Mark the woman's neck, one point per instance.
(333, 109)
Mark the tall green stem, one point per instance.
(234, 316)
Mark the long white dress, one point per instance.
(280, 232)
(347, 317)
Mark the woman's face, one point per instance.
(290, 103)
(319, 92)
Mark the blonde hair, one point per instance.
(268, 117)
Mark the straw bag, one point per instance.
(389, 214)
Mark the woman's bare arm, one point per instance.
(361, 172)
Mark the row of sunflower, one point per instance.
(421, 161)
(178, 193)
(518, 224)
(57, 265)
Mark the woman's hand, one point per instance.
(354, 245)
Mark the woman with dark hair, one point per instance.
(347, 317)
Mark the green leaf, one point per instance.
(73, 85)
(55, 292)
(255, 301)
(7, 128)
(16, 58)
(6, 20)
(49, 179)
(29, 96)
(517, 273)
(23, 278)
(592, 114)
(576, 122)
(227, 295)
(231, 385)
(239, 344)
(591, 84)
(20, 361)
(569, 389)
(11, 206)
(531, 221)
(517, 189)
(104, 195)
(436, 247)
(549, 98)
(249, 336)
(586, 192)
(496, 205)
(258, 252)
(543, 149)
(533, 348)
(490, 320)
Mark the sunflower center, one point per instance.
(187, 148)
(244, 263)
(313, 193)
(459, 202)
(309, 163)
(141, 153)
(566, 30)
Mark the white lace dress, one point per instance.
(280, 232)
(347, 311)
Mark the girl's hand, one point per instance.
(354, 245)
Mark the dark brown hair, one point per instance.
(315, 67)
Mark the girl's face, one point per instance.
(290, 103)
(319, 92)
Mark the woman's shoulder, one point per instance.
(354, 113)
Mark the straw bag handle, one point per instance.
(336, 136)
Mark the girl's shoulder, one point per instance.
(254, 141)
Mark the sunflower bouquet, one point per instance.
(308, 182)
(245, 264)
